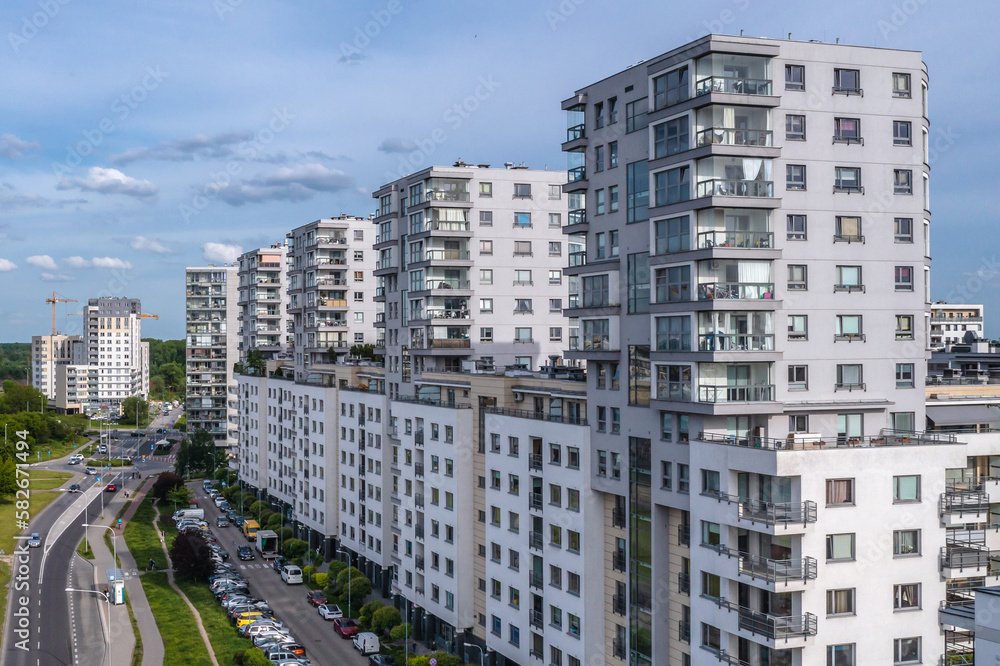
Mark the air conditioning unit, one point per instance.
(518, 396)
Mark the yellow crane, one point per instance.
(150, 316)
(53, 301)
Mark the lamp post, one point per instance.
(482, 654)
(107, 598)
(343, 550)
(114, 538)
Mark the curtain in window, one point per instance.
(755, 276)
(751, 168)
(838, 492)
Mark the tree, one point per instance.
(273, 521)
(255, 362)
(294, 549)
(191, 556)
(8, 476)
(129, 407)
(179, 494)
(196, 454)
(366, 351)
(401, 632)
(18, 398)
(385, 619)
(172, 375)
(368, 611)
(166, 482)
(257, 508)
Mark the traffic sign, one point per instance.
(433, 662)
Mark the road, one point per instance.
(55, 621)
(322, 645)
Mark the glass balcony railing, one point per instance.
(730, 136)
(577, 258)
(735, 290)
(577, 173)
(576, 217)
(431, 283)
(442, 255)
(710, 239)
(733, 85)
(576, 132)
(735, 342)
(725, 187)
(721, 394)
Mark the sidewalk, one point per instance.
(122, 636)
(152, 643)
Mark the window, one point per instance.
(599, 115)
(673, 284)
(906, 488)
(595, 292)
(673, 186)
(710, 533)
(847, 229)
(840, 655)
(795, 176)
(612, 110)
(906, 542)
(839, 547)
(683, 480)
(849, 377)
(555, 333)
(522, 306)
(840, 602)
(900, 85)
(902, 181)
(848, 327)
(673, 333)
(612, 154)
(798, 328)
(906, 597)
(798, 422)
(906, 650)
(839, 492)
(798, 377)
(904, 375)
(555, 220)
(903, 229)
(599, 158)
(599, 202)
(795, 77)
(904, 327)
(904, 278)
(847, 179)
(486, 334)
(795, 127)
(847, 82)
(486, 305)
(797, 277)
(555, 193)
(522, 248)
(485, 276)
(359, 296)
(847, 130)
(573, 622)
(613, 199)
(670, 88)
(486, 218)
(359, 276)
(522, 334)
(671, 137)
(666, 474)
(522, 190)
(848, 278)
(485, 247)
(486, 189)
(555, 305)
(637, 191)
(796, 227)
(902, 133)
(673, 235)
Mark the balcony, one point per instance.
(618, 518)
(576, 217)
(772, 571)
(418, 470)
(535, 501)
(734, 342)
(740, 239)
(726, 187)
(535, 580)
(418, 500)
(968, 559)
(441, 255)
(449, 343)
(769, 513)
(419, 563)
(618, 648)
(576, 132)
(770, 626)
(577, 259)
(684, 535)
(535, 540)
(684, 630)
(725, 394)
(535, 618)
(576, 173)
(732, 85)
(969, 505)
(710, 291)
(727, 136)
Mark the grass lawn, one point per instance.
(54, 450)
(137, 651)
(142, 540)
(39, 500)
(226, 641)
(86, 552)
(182, 644)
(4, 586)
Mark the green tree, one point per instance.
(18, 398)
(401, 632)
(255, 362)
(180, 495)
(294, 549)
(130, 405)
(191, 556)
(172, 375)
(8, 476)
(165, 482)
(385, 619)
(368, 611)
(196, 454)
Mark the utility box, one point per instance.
(118, 592)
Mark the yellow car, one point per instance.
(248, 618)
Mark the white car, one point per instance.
(329, 611)
(35, 541)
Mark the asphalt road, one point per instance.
(322, 645)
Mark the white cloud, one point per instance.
(143, 244)
(198, 146)
(13, 148)
(220, 253)
(110, 181)
(7, 265)
(98, 262)
(55, 277)
(285, 184)
(77, 262)
(42, 261)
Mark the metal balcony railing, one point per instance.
(618, 517)
(769, 513)
(727, 187)
(684, 535)
(618, 560)
(684, 582)
(767, 569)
(618, 604)
(534, 461)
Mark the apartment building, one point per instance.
(212, 333)
(112, 343)
(470, 270)
(756, 384)
(47, 353)
(952, 322)
(330, 290)
(264, 322)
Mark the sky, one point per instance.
(139, 137)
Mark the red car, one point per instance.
(346, 627)
(110, 488)
(315, 597)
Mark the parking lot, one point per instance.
(322, 645)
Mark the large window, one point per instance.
(847, 179)
(848, 278)
(904, 375)
(906, 650)
(905, 542)
(847, 81)
(671, 137)
(671, 88)
(849, 376)
(840, 602)
(849, 326)
(673, 284)
(637, 190)
(595, 291)
(673, 333)
(673, 235)
(797, 277)
(847, 130)
(839, 547)
(673, 186)
(635, 115)
(840, 655)
(839, 492)
(596, 334)
(638, 282)
(673, 382)
(847, 228)
(906, 597)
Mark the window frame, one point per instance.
(795, 127)
(790, 80)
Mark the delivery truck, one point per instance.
(267, 544)
(250, 528)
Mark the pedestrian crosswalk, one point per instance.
(169, 458)
(254, 565)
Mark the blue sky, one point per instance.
(140, 140)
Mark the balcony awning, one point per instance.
(956, 415)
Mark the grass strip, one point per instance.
(140, 537)
(8, 522)
(226, 641)
(182, 643)
(4, 586)
(137, 650)
(86, 552)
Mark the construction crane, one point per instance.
(53, 301)
(146, 316)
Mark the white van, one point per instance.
(189, 514)
(366, 643)
(291, 574)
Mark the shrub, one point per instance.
(274, 522)
(257, 508)
(321, 579)
(401, 632)
(266, 515)
(336, 567)
(368, 611)
(307, 574)
(384, 619)
(294, 548)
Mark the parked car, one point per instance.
(111, 488)
(315, 597)
(291, 574)
(329, 611)
(35, 541)
(278, 564)
(381, 660)
(345, 626)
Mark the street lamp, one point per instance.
(107, 598)
(482, 654)
(341, 549)
(114, 538)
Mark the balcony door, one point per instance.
(737, 383)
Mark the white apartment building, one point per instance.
(264, 322)
(211, 320)
(112, 343)
(950, 322)
(755, 384)
(48, 352)
(470, 270)
(330, 289)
